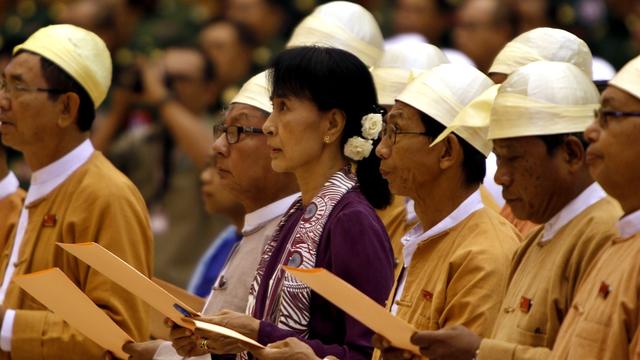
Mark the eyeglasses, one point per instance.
(603, 115)
(12, 90)
(390, 133)
(233, 132)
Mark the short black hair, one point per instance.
(57, 78)
(553, 142)
(474, 165)
(334, 79)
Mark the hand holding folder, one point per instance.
(131, 279)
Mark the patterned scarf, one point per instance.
(287, 303)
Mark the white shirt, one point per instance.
(43, 182)
(417, 235)
(629, 225)
(255, 224)
(8, 185)
(587, 197)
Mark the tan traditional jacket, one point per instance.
(544, 278)
(604, 320)
(394, 218)
(96, 203)
(459, 277)
(10, 207)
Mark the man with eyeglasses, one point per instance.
(243, 165)
(604, 320)
(536, 123)
(457, 259)
(48, 96)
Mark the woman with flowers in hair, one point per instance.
(324, 126)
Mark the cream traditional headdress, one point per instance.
(543, 44)
(255, 92)
(443, 92)
(79, 52)
(543, 98)
(343, 25)
(402, 63)
(628, 79)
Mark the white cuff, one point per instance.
(7, 330)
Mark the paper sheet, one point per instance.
(357, 305)
(193, 301)
(131, 279)
(54, 290)
(226, 332)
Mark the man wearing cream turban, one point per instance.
(604, 320)
(541, 44)
(245, 172)
(343, 25)
(534, 45)
(400, 64)
(456, 260)
(48, 96)
(536, 124)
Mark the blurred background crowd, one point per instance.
(199, 52)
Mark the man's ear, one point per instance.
(69, 107)
(335, 124)
(574, 153)
(450, 151)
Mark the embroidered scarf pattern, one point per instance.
(287, 303)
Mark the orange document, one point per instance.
(131, 279)
(357, 305)
(54, 290)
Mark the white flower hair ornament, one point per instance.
(358, 148)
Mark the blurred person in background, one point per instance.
(164, 146)
(230, 46)
(270, 21)
(11, 199)
(217, 201)
(429, 18)
(481, 29)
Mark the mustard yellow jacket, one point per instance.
(96, 203)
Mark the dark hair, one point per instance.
(244, 33)
(474, 166)
(57, 78)
(553, 142)
(334, 79)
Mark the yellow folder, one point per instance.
(357, 305)
(54, 290)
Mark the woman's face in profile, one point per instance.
(295, 132)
